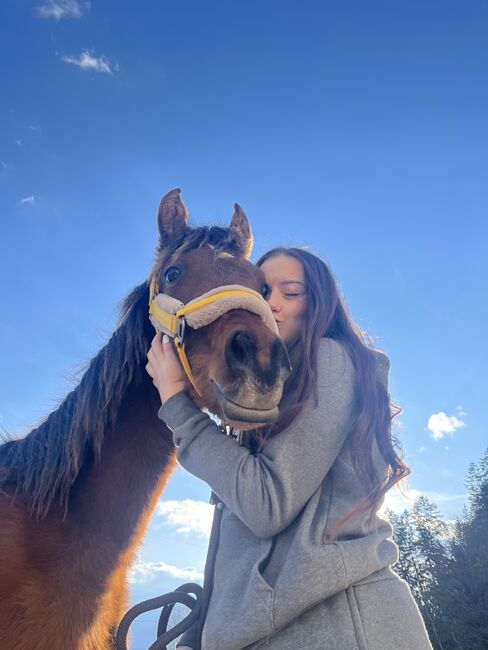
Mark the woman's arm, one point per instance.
(267, 491)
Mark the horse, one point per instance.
(77, 493)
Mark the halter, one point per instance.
(171, 316)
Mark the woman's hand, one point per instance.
(165, 368)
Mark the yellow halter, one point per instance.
(174, 322)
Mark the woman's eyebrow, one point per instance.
(292, 282)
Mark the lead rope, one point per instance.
(198, 605)
(167, 602)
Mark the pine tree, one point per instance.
(404, 533)
(462, 595)
(448, 572)
(432, 551)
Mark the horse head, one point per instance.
(238, 362)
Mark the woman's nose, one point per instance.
(273, 301)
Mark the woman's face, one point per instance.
(285, 278)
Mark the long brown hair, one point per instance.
(326, 315)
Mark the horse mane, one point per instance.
(44, 465)
(47, 461)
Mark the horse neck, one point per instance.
(112, 499)
(117, 487)
(101, 459)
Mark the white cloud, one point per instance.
(396, 501)
(187, 515)
(438, 497)
(19, 142)
(28, 200)
(59, 9)
(87, 61)
(145, 571)
(439, 424)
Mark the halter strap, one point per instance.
(174, 324)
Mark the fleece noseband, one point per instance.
(169, 315)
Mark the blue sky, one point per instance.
(356, 128)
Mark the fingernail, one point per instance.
(165, 339)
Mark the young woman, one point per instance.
(304, 560)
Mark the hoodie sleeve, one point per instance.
(267, 490)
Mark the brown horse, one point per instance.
(77, 492)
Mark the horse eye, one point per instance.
(265, 291)
(172, 274)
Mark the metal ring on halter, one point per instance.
(180, 330)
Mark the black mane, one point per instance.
(48, 459)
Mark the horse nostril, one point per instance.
(239, 350)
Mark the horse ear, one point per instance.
(239, 224)
(172, 217)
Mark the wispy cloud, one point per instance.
(145, 571)
(399, 502)
(86, 61)
(59, 9)
(187, 515)
(440, 424)
(438, 497)
(28, 200)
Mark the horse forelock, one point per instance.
(217, 237)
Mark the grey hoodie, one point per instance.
(274, 566)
